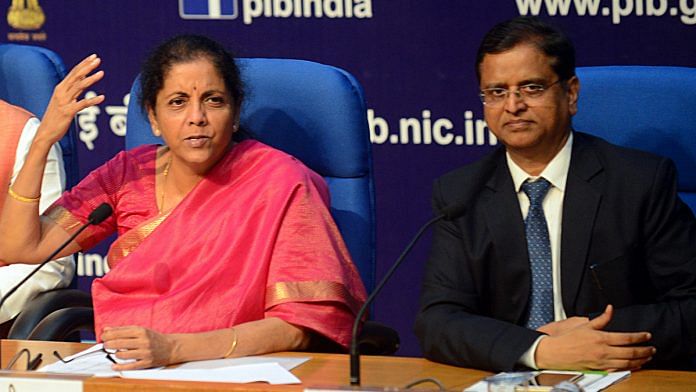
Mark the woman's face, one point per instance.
(195, 115)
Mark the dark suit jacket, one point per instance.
(627, 239)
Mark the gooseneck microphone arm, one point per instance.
(97, 216)
(447, 213)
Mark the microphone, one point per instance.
(453, 211)
(449, 212)
(97, 216)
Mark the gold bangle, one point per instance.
(22, 198)
(234, 344)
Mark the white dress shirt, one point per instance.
(556, 172)
(57, 273)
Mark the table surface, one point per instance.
(331, 370)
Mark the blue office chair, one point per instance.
(28, 75)
(651, 108)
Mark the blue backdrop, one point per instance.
(415, 60)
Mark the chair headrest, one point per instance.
(650, 108)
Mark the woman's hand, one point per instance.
(147, 347)
(65, 102)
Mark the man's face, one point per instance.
(531, 128)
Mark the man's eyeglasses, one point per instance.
(101, 351)
(529, 93)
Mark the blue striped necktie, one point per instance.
(539, 248)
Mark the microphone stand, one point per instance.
(354, 350)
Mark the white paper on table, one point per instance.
(288, 363)
(92, 361)
(600, 382)
(274, 370)
(590, 382)
(272, 373)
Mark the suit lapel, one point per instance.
(580, 206)
(504, 221)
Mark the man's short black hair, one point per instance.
(530, 30)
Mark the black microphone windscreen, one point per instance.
(100, 213)
(453, 211)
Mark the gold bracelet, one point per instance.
(234, 344)
(22, 198)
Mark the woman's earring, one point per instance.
(235, 127)
(156, 132)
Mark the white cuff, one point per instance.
(527, 359)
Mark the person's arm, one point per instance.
(53, 183)
(588, 346)
(667, 260)
(56, 274)
(24, 237)
(451, 324)
(669, 256)
(528, 359)
(149, 348)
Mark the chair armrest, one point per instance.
(377, 339)
(59, 325)
(43, 305)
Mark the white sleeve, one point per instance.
(56, 274)
(528, 358)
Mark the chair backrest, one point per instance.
(28, 75)
(316, 113)
(651, 108)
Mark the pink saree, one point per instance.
(254, 239)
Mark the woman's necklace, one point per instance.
(165, 173)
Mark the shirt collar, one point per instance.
(556, 172)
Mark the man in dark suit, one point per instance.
(573, 253)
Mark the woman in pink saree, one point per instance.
(224, 248)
